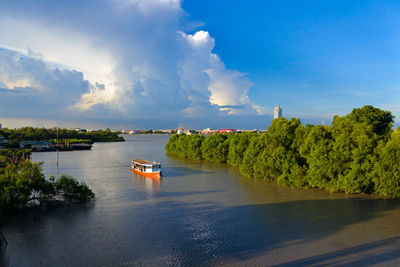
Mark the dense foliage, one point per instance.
(13, 155)
(71, 141)
(41, 134)
(22, 184)
(358, 153)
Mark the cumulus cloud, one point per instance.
(228, 88)
(203, 74)
(137, 64)
(30, 88)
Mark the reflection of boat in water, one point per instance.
(152, 185)
(146, 168)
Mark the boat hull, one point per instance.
(156, 175)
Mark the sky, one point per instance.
(153, 64)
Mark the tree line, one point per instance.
(45, 134)
(358, 153)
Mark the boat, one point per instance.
(146, 168)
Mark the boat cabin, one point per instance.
(146, 166)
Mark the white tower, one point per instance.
(180, 129)
(277, 112)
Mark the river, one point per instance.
(199, 214)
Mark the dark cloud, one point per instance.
(47, 92)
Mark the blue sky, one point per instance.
(156, 63)
(313, 57)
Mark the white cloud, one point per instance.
(201, 40)
(135, 64)
(260, 110)
(145, 5)
(227, 89)
(59, 45)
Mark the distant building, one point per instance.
(79, 129)
(36, 145)
(208, 131)
(277, 112)
(0, 125)
(190, 132)
(140, 131)
(226, 131)
(180, 130)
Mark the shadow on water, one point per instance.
(194, 166)
(351, 256)
(180, 171)
(3, 259)
(189, 193)
(34, 220)
(210, 234)
(204, 233)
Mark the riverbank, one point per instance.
(54, 139)
(41, 138)
(359, 153)
(51, 147)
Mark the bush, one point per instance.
(24, 182)
(71, 188)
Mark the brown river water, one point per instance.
(198, 214)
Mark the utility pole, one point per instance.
(57, 150)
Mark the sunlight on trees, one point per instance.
(358, 153)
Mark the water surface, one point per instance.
(199, 214)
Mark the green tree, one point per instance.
(359, 153)
(215, 148)
(356, 138)
(381, 121)
(170, 147)
(194, 147)
(317, 149)
(238, 145)
(21, 183)
(72, 188)
(386, 174)
(256, 146)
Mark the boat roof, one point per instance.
(141, 161)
